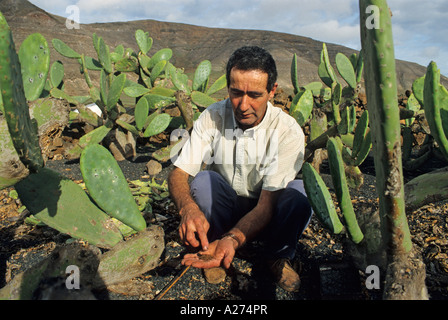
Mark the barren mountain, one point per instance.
(190, 44)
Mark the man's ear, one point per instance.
(274, 89)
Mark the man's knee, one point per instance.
(204, 179)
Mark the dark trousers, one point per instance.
(223, 208)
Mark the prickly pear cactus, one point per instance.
(22, 130)
(334, 148)
(63, 205)
(201, 76)
(34, 55)
(157, 124)
(320, 199)
(108, 187)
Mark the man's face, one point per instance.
(249, 96)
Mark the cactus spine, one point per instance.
(381, 88)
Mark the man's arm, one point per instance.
(245, 230)
(193, 221)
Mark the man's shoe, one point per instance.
(285, 275)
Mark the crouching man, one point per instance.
(248, 190)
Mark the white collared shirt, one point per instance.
(267, 156)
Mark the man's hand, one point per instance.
(220, 253)
(194, 227)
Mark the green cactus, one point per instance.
(218, 85)
(295, 75)
(436, 107)
(180, 80)
(64, 49)
(381, 88)
(104, 56)
(136, 91)
(326, 71)
(141, 113)
(362, 142)
(93, 137)
(162, 54)
(56, 74)
(201, 99)
(336, 96)
(302, 106)
(108, 187)
(418, 87)
(412, 105)
(63, 205)
(156, 123)
(320, 199)
(127, 64)
(157, 70)
(144, 41)
(346, 70)
(22, 130)
(202, 76)
(114, 92)
(34, 56)
(334, 147)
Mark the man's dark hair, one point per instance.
(253, 58)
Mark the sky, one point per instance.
(420, 27)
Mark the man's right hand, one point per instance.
(193, 227)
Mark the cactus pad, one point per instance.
(157, 125)
(320, 199)
(342, 191)
(34, 56)
(108, 186)
(202, 75)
